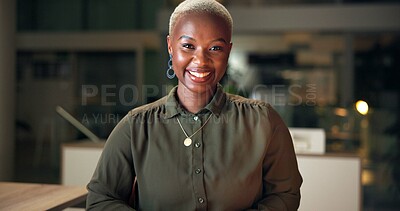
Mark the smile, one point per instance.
(199, 75)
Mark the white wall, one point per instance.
(330, 183)
(79, 160)
(7, 88)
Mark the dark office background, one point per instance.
(50, 77)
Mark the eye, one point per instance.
(216, 48)
(187, 45)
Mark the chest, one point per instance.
(222, 164)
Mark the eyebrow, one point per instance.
(191, 38)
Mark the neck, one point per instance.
(194, 101)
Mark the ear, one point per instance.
(169, 44)
(230, 49)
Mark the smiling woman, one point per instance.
(199, 45)
(198, 148)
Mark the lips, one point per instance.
(199, 74)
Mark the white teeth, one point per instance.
(199, 75)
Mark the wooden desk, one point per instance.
(30, 196)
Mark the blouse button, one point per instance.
(201, 200)
(197, 144)
(198, 171)
(196, 118)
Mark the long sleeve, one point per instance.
(243, 158)
(281, 177)
(111, 184)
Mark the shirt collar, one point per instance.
(173, 107)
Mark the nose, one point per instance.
(201, 58)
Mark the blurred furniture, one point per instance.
(330, 182)
(29, 196)
(79, 161)
(308, 140)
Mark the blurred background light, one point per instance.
(362, 107)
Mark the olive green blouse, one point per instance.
(242, 159)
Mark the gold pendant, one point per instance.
(187, 142)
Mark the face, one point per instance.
(200, 45)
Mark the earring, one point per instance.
(170, 71)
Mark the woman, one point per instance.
(198, 148)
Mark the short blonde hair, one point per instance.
(200, 6)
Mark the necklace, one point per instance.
(188, 140)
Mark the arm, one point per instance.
(111, 184)
(281, 177)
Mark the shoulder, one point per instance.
(252, 109)
(242, 101)
(154, 107)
